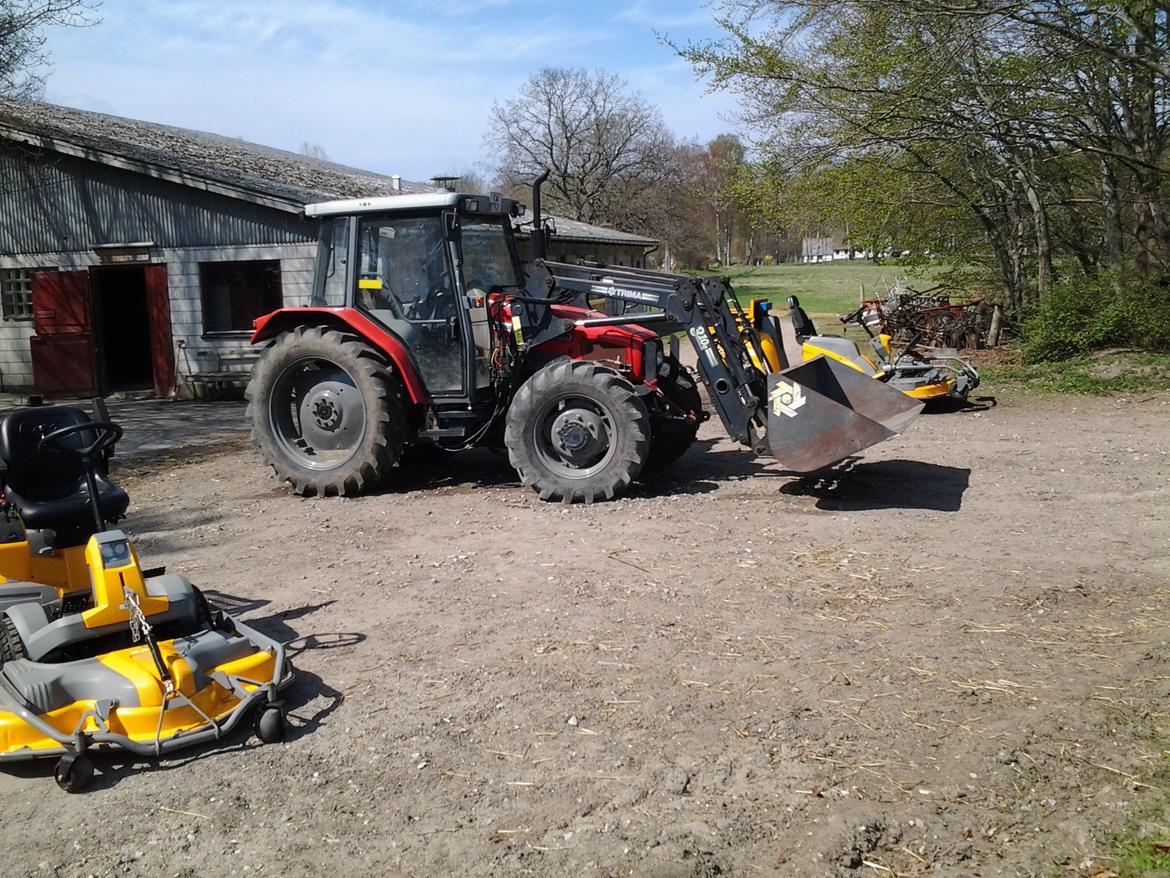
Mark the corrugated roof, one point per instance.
(574, 230)
(236, 167)
(248, 168)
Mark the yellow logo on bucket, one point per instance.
(786, 398)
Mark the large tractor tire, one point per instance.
(672, 437)
(577, 431)
(327, 411)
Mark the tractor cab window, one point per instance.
(329, 281)
(487, 259)
(403, 269)
(404, 282)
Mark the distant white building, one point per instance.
(824, 250)
(830, 250)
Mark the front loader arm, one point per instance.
(809, 416)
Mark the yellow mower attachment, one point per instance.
(914, 374)
(95, 653)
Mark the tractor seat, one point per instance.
(801, 323)
(48, 488)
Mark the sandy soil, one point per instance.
(944, 662)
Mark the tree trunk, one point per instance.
(1149, 176)
(749, 254)
(719, 237)
(1112, 204)
(996, 327)
(1045, 274)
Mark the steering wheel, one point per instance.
(107, 434)
(907, 351)
(850, 318)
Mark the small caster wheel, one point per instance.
(73, 773)
(271, 725)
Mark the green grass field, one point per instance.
(826, 290)
(1099, 374)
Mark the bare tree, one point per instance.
(606, 147)
(677, 216)
(473, 182)
(314, 151)
(24, 60)
(718, 165)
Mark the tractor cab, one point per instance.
(421, 268)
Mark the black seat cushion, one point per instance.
(48, 488)
(801, 323)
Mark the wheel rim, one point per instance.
(574, 436)
(316, 413)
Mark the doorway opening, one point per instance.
(124, 339)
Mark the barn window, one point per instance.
(16, 292)
(236, 293)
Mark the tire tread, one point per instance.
(385, 406)
(633, 431)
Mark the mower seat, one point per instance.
(49, 489)
(801, 322)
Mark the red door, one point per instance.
(158, 312)
(64, 350)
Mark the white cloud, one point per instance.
(379, 88)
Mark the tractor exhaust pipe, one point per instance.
(539, 242)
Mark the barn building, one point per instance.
(150, 249)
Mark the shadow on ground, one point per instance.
(699, 471)
(949, 405)
(884, 484)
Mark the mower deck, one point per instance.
(217, 678)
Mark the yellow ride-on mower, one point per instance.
(95, 652)
(923, 377)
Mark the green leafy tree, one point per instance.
(1029, 136)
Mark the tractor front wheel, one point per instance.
(327, 413)
(577, 431)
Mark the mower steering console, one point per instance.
(910, 347)
(107, 434)
(855, 317)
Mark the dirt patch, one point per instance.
(943, 660)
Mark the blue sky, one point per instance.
(400, 87)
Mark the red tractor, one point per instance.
(425, 330)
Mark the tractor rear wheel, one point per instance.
(673, 436)
(327, 412)
(577, 431)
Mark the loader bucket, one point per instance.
(823, 411)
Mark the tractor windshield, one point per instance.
(487, 257)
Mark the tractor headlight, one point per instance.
(115, 554)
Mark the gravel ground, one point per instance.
(944, 660)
